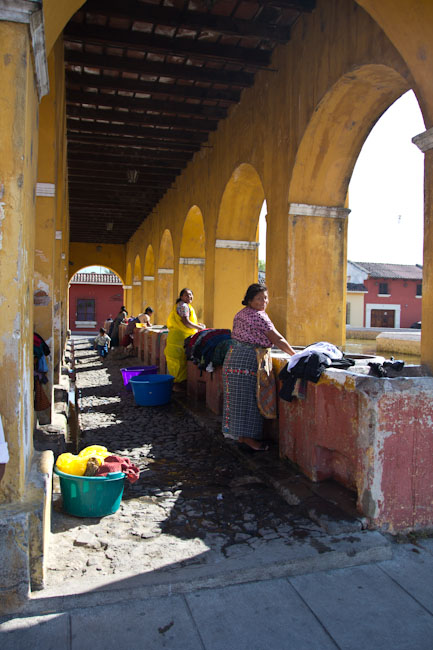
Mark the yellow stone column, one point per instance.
(43, 290)
(425, 142)
(149, 291)
(317, 259)
(137, 300)
(18, 146)
(127, 289)
(164, 295)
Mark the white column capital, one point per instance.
(137, 283)
(30, 12)
(127, 286)
(307, 210)
(424, 140)
(150, 278)
(236, 244)
(200, 261)
(166, 271)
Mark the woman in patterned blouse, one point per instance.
(252, 331)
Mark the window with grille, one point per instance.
(85, 309)
(383, 288)
(419, 289)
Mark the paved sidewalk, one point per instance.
(385, 606)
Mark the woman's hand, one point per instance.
(278, 339)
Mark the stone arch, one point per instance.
(192, 258)
(149, 278)
(318, 196)
(236, 242)
(165, 284)
(137, 302)
(107, 297)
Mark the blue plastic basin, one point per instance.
(152, 390)
(91, 496)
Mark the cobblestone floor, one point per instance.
(195, 502)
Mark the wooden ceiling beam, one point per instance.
(136, 103)
(128, 155)
(114, 172)
(153, 134)
(144, 42)
(148, 144)
(131, 118)
(106, 82)
(151, 68)
(192, 20)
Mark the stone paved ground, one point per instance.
(195, 503)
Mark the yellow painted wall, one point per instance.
(56, 15)
(110, 255)
(19, 149)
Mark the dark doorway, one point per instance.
(382, 318)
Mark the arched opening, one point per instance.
(236, 242)
(95, 296)
(317, 233)
(164, 288)
(262, 227)
(137, 303)
(149, 279)
(192, 258)
(386, 223)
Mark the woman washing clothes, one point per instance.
(182, 322)
(253, 335)
(114, 328)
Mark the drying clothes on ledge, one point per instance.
(308, 365)
(207, 349)
(118, 464)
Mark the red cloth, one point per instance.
(119, 464)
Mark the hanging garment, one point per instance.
(266, 388)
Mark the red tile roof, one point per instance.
(390, 271)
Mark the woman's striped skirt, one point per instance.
(241, 416)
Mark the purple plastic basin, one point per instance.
(136, 371)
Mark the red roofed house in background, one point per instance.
(93, 297)
(393, 293)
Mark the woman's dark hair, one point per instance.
(252, 292)
(102, 330)
(148, 310)
(180, 295)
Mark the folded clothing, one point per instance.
(119, 464)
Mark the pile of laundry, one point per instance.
(308, 365)
(96, 460)
(208, 348)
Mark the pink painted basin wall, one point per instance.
(373, 435)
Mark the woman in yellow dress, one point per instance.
(182, 322)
